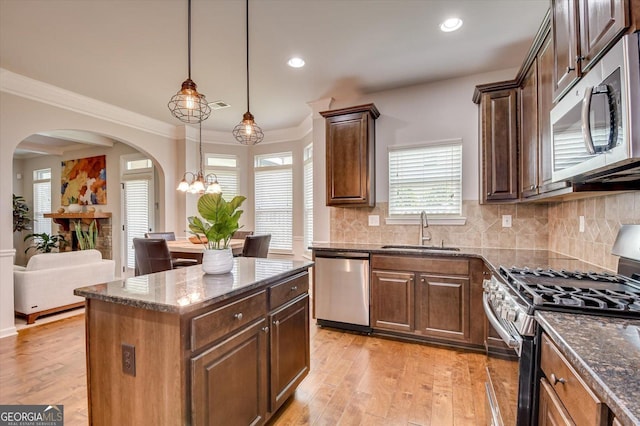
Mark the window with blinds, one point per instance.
(426, 177)
(308, 196)
(41, 200)
(274, 199)
(225, 167)
(136, 210)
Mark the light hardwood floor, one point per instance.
(354, 379)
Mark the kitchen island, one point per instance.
(181, 347)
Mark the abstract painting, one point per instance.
(84, 181)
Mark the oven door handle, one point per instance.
(508, 339)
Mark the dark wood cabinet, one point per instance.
(582, 31)
(601, 22)
(229, 380)
(289, 350)
(499, 142)
(551, 412)
(428, 298)
(564, 31)
(545, 103)
(392, 300)
(529, 133)
(442, 307)
(350, 150)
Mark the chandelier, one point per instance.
(197, 182)
(188, 105)
(248, 132)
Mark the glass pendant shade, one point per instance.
(248, 132)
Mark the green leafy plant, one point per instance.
(45, 243)
(21, 219)
(220, 219)
(86, 239)
(73, 200)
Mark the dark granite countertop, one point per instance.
(605, 352)
(188, 289)
(494, 258)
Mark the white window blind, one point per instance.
(136, 196)
(426, 177)
(41, 200)
(225, 167)
(274, 199)
(308, 196)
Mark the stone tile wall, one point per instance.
(483, 227)
(603, 217)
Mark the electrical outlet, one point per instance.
(506, 221)
(581, 226)
(374, 220)
(129, 359)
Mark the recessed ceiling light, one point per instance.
(296, 62)
(451, 24)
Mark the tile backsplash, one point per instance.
(553, 226)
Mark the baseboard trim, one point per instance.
(7, 332)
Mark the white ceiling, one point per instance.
(132, 53)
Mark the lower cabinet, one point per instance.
(551, 411)
(289, 350)
(428, 298)
(229, 381)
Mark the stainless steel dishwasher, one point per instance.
(342, 290)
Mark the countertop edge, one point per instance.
(594, 381)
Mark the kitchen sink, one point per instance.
(418, 247)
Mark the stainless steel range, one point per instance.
(512, 297)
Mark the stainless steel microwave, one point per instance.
(596, 125)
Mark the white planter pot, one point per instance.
(75, 208)
(217, 261)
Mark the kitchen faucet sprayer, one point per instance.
(424, 223)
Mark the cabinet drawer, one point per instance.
(288, 290)
(211, 326)
(583, 406)
(449, 266)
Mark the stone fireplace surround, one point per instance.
(66, 227)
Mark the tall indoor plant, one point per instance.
(220, 222)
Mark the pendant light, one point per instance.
(197, 183)
(248, 132)
(188, 105)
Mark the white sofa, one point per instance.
(46, 284)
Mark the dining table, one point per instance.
(185, 249)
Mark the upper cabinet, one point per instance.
(582, 30)
(498, 141)
(350, 146)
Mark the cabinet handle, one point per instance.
(422, 280)
(556, 380)
(569, 69)
(533, 187)
(294, 288)
(265, 329)
(238, 316)
(580, 58)
(488, 194)
(276, 323)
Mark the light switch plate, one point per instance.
(506, 221)
(374, 220)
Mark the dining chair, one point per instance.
(171, 236)
(256, 245)
(240, 235)
(151, 255)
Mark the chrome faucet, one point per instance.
(424, 224)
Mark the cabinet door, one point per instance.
(289, 350)
(545, 103)
(229, 381)
(499, 145)
(566, 69)
(601, 21)
(442, 307)
(551, 412)
(529, 146)
(350, 145)
(392, 300)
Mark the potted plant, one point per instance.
(74, 207)
(86, 239)
(45, 243)
(21, 219)
(220, 222)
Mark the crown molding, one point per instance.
(39, 91)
